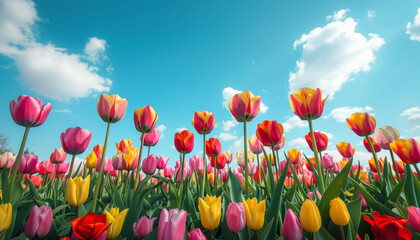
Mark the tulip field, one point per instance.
(275, 193)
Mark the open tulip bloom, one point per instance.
(290, 194)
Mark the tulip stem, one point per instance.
(255, 236)
(205, 167)
(139, 161)
(375, 158)
(101, 171)
(395, 165)
(181, 186)
(417, 169)
(148, 151)
(16, 166)
(71, 166)
(55, 172)
(343, 237)
(275, 163)
(246, 161)
(317, 161)
(259, 172)
(77, 211)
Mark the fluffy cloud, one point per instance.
(413, 116)
(298, 143)
(338, 16)
(45, 69)
(65, 110)
(340, 114)
(181, 129)
(371, 14)
(227, 136)
(413, 28)
(294, 122)
(95, 50)
(237, 145)
(332, 54)
(161, 129)
(229, 92)
(227, 125)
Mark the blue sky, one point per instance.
(186, 56)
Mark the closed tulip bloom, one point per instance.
(107, 165)
(210, 211)
(168, 172)
(240, 158)
(91, 160)
(203, 122)
(77, 190)
(310, 218)
(122, 144)
(281, 144)
(184, 141)
(211, 177)
(327, 160)
(63, 167)
(364, 203)
(235, 217)
(220, 160)
(151, 138)
(385, 135)
(255, 145)
(28, 163)
(372, 164)
(117, 161)
(145, 119)
(244, 106)
(75, 140)
(39, 222)
(115, 219)
(172, 224)
(46, 167)
(37, 181)
(408, 150)
(58, 156)
(400, 167)
(294, 156)
(346, 149)
(264, 161)
(196, 234)
(91, 226)
(336, 168)
(307, 103)
(162, 162)
(254, 212)
(338, 212)
(197, 163)
(130, 158)
(269, 133)
(291, 227)
(7, 159)
(29, 111)
(361, 123)
(228, 156)
(143, 227)
(213, 147)
(376, 147)
(311, 195)
(98, 149)
(321, 141)
(111, 108)
(414, 218)
(150, 164)
(5, 216)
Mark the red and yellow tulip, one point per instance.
(203, 122)
(269, 133)
(307, 103)
(346, 149)
(244, 106)
(145, 119)
(408, 150)
(184, 141)
(362, 124)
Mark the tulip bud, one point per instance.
(270, 133)
(162, 162)
(311, 195)
(414, 218)
(28, 163)
(77, 190)
(5, 216)
(111, 108)
(145, 119)
(116, 219)
(150, 164)
(361, 123)
(327, 160)
(254, 212)
(307, 103)
(29, 111)
(338, 212)
(58, 156)
(75, 140)
(39, 222)
(385, 135)
(210, 211)
(310, 218)
(151, 138)
(172, 224)
(196, 234)
(168, 171)
(244, 106)
(291, 227)
(7, 159)
(203, 122)
(143, 227)
(235, 217)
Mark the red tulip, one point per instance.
(75, 140)
(321, 141)
(145, 119)
(387, 227)
(35, 179)
(168, 172)
(91, 226)
(221, 161)
(375, 146)
(111, 108)
(184, 141)
(213, 147)
(270, 133)
(46, 167)
(203, 122)
(29, 111)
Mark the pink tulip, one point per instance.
(291, 227)
(238, 174)
(224, 173)
(311, 195)
(168, 172)
(75, 140)
(117, 161)
(196, 234)
(28, 163)
(150, 164)
(244, 106)
(114, 173)
(163, 161)
(151, 138)
(29, 111)
(7, 160)
(283, 165)
(364, 203)
(385, 135)
(235, 217)
(107, 165)
(209, 168)
(228, 156)
(197, 163)
(63, 167)
(178, 174)
(111, 108)
(328, 160)
(143, 227)
(58, 156)
(39, 222)
(255, 145)
(336, 168)
(281, 144)
(172, 224)
(252, 168)
(46, 167)
(414, 218)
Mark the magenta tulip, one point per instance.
(291, 227)
(151, 138)
(7, 159)
(150, 164)
(255, 145)
(364, 203)
(196, 234)
(39, 222)
(29, 111)
(117, 161)
(172, 224)
(143, 227)
(58, 156)
(75, 140)
(163, 161)
(111, 108)
(28, 163)
(168, 172)
(235, 217)
(328, 160)
(311, 194)
(414, 218)
(63, 167)
(107, 165)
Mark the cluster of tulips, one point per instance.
(131, 196)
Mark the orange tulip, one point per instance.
(346, 149)
(408, 150)
(244, 106)
(294, 156)
(203, 122)
(307, 103)
(145, 119)
(375, 146)
(372, 164)
(184, 141)
(270, 132)
(362, 124)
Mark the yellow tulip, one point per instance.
(310, 218)
(338, 212)
(254, 212)
(77, 190)
(91, 160)
(116, 219)
(130, 154)
(5, 216)
(210, 211)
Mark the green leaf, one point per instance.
(396, 192)
(59, 208)
(235, 188)
(270, 170)
(410, 189)
(264, 233)
(355, 208)
(323, 233)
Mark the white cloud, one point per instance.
(109, 69)
(237, 145)
(298, 143)
(294, 122)
(413, 116)
(371, 13)
(338, 16)
(340, 114)
(161, 129)
(45, 69)
(229, 92)
(227, 136)
(65, 110)
(181, 129)
(413, 28)
(332, 54)
(227, 125)
(95, 50)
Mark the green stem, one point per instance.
(71, 166)
(246, 161)
(182, 172)
(375, 158)
(55, 172)
(318, 163)
(148, 151)
(259, 172)
(342, 233)
(101, 171)
(275, 163)
(395, 165)
(215, 176)
(16, 166)
(138, 163)
(205, 167)
(417, 170)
